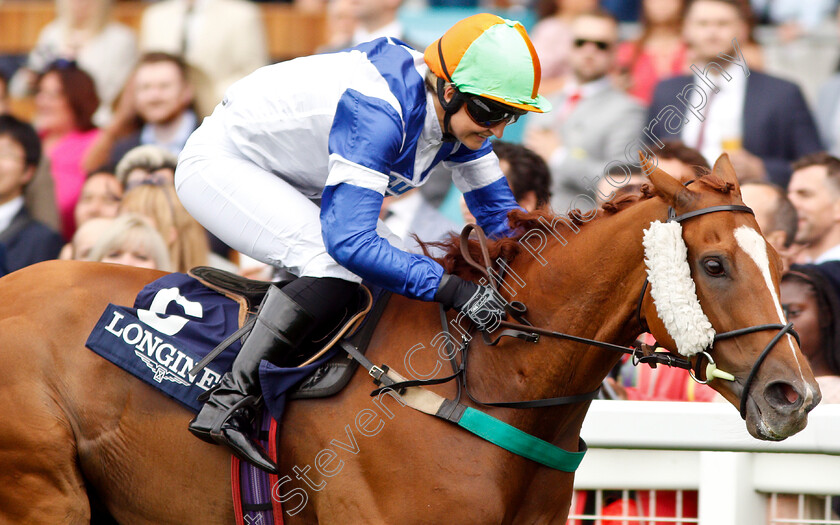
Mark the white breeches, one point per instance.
(252, 210)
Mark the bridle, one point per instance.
(522, 329)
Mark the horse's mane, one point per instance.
(523, 222)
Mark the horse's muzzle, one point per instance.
(780, 409)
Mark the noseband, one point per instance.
(782, 328)
(524, 330)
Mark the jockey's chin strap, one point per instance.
(451, 107)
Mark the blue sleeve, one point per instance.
(366, 131)
(348, 224)
(490, 206)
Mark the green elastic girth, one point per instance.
(525, 445)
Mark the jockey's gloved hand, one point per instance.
(481, 304)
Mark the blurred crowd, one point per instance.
(87, 172)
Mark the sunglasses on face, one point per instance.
(488, 113)
(600, 44)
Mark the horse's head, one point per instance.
(735, 274)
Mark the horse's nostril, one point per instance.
(790, 393)
(782, 395)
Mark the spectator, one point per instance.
(83, 32)
(185, 238)
(623, 179)
(680, 161)
(623, 10)
(100, 197)
(828, 114)
(221, 40)
(4, 94)
(159, 96)
(810, 295)
(527, 175)
(85, 238)
(762, 121)
(774, 213)
(815, 193)
(64, 108)
(794, 18)
(4, 268)
(593, 122)
(376, 18)
(26, 240)
(658, 53)
(147, 164)
(154, 165)
(552, 38)
(132, 240)
(675, 158)
(341, 25)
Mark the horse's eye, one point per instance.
(713, 266)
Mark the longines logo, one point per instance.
(164, 359)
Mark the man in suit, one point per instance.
(221, 40)
(828, 114)
(26, 240)
(762, 121)
(593, 122)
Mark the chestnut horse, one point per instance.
(76, 429)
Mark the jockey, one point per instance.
(292, 167)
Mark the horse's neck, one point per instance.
(587, 288)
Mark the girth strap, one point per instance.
(475, 421)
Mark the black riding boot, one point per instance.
(228, 415)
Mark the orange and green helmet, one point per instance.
(491, 57)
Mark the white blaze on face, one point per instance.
(756, 247)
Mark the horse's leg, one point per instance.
(70, 420)
(142, 461)
(40, 481)
(133, 445)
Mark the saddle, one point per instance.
(331, 377)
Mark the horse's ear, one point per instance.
(725, 171)
(666, 186)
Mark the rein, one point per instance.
(524, 330)
(481, 424)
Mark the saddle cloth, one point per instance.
(175, 321)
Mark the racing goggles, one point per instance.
(488, 113)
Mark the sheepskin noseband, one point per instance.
(673, 292)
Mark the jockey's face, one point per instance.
(466, 130)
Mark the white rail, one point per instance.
(705, 447)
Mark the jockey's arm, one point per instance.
(349, 214)
(486, 191)
(366, 137)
